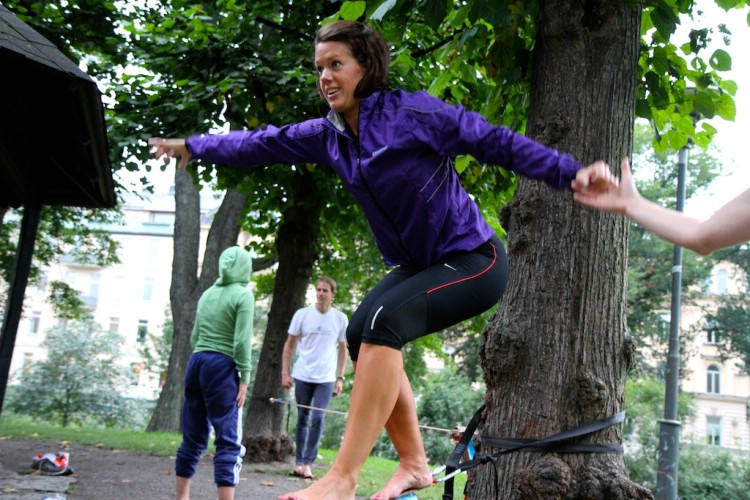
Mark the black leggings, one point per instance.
(412, 302)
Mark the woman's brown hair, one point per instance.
(367, 46)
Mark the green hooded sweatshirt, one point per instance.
(224, 318)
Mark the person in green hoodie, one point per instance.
(217, 376)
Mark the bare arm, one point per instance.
(340, 366)
(730, 225)
(286, 360)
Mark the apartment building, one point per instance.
(720, 390)
(130, 298)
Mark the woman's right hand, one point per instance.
(168, 149)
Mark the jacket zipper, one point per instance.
(375, 202)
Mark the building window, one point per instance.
(34, 320)
(722, 282)
(142, 330)
(114, 324)
(713, 431)
(712, 332)
(713, 380)
(712, 337)
(94, 282)
(148, 289)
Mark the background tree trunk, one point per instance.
(557, 352)
(186, 287)
(297, 248)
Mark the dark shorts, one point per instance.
(412, 302)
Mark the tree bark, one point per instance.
(557, 352)
(186, 287)
(297, 248)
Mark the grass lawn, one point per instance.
(374, 474)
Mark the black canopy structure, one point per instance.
(53, 149)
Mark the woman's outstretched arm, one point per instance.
(730, 225)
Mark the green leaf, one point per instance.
(726, 107)
(728, 4)
(721, 60)
(730, 86)
(710, 129)
(462, 162)
(665, 20)
(684, 125)
(704, 105)
(439, 84)
(435, 11)
(352, 10)
(702, 140)
(382, 10)
(676, 139)
(642, 108)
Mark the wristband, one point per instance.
(340, 378)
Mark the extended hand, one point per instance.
(613, 200)
(168, 149)
(596, 178)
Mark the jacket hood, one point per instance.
(235, 266)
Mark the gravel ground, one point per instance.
(102, 473)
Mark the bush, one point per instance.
(448, 399)
(711, 473)
(80, 382)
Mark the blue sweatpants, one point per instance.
(211, 386)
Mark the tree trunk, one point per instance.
(557, 352)
(186, 287)
(296, 244)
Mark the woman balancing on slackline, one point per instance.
(392, 149)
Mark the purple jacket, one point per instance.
(399, 167)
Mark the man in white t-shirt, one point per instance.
(318, 371)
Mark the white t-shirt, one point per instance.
(319, 336)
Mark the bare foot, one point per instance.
(402, 481)
(307, 471)
(326, 488)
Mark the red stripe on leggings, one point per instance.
(494, 259)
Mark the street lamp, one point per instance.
(669, 426)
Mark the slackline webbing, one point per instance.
(550, 444)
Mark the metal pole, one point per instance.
(669, 432)
(14, 305)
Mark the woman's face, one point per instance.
(338, 75)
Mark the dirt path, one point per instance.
(110, 474)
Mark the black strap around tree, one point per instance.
(454, 460)
(551, 444)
